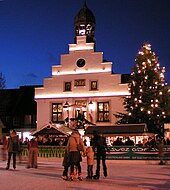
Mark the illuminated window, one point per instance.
(80, 82)
(67, 86)
(93, 85)
(57, 112)
(103, 111)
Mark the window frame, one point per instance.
(57, 113)
(92, 84)
(67, 88)
(102, 114)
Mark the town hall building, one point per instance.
(82, 83)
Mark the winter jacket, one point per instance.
(32, 144)
(90, 157)
(11, 140)
(73, 140)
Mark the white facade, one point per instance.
(80, 78)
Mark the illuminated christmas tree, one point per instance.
(149, 93)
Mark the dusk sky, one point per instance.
(34, 33)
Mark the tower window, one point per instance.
(93, 85)
(67, 86)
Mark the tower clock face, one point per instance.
(81, 62)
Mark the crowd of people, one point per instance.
(75, 149)
(73, 156)
(151, 142)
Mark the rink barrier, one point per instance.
(116, 152)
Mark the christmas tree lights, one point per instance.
(150, 97)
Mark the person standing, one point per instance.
(32, 153)
(90, 162)
(66, 165)
(161, 151)
(74, 153)
(99, 143)
(12, 147)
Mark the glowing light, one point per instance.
(80, 72)
(149, 112)
(100, 94)
(147, 46)
(163, 69)
(149, 61)
(161, 75)
(141, 53)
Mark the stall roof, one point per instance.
(52, 129)
(126, 129)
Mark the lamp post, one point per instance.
(66, 107)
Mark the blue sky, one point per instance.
(34, 33)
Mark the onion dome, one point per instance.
(84, 23)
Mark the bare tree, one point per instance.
(2, 81)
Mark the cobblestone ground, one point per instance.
(122, 175)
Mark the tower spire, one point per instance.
(84, 24)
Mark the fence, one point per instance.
(116, 152)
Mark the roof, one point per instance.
(17, 101)
(85, 15)
(126, 129)
(52, 129)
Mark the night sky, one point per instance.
(34, 33)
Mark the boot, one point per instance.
(105, 173)
(80, 177)
(71, 177)
(96, 177)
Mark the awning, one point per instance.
(52, 129)
(116, 130)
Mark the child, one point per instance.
(66, 165)
(90, 162)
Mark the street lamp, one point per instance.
(66, 107)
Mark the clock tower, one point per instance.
(84, 24)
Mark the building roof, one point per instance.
(17, 101)
(124, 130)
(85, 15)
(52, 129)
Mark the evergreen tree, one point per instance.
(2, 81)
(149, 97)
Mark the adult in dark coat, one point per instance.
(12, 147)
(99, 144)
